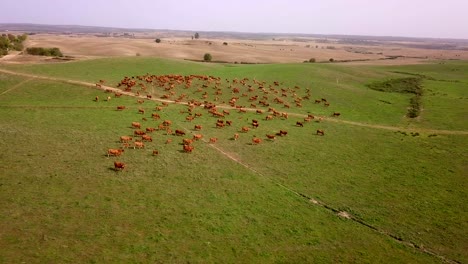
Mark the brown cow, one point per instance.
(150, 129)
(155, 116)
(117, 94)
(136, 125)
(179, 132)
(198, 127)
(169, 140)
(121, 107)
(336, 114)
(96, 99)
(119, 165)
(213, 140)
(326, 104)
(187, 141)
(114, 152)
(320, 132)
(167, 122)
(245, 129)
(155, 152)
(283, 132)
(219, 125)
(197, 136)
(146, 138)
(271, 137)
(188, 148)
(299, 124)
(256, 141)
(140, 101)
(125, 139)
(141, 111)
(228, 122)
(139, 145)
(236, 136)
(139, 133)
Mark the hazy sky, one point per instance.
(416, 18)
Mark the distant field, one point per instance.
(232, 201)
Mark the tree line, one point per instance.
(11, 42)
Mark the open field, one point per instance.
(401, 195)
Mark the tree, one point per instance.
(207, 57)
(197, 36)
(158, 40)
(312, 60)
(225, 43)
(331, 60)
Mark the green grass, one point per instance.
(62, 202)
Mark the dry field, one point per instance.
(279, 50)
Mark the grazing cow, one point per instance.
(108, 98)
(197, 136)
(259, 111)
(125, 145)
(326, 104)
(271, 137)
(254, 124)
(320, 132)
(96, 99)
(283, 132)
(98, 85)
(324, 100)
(213, 140)
(299, 124)
(187, 141)
(146, 138)
(198, 127)
(318, 101)
(139, 144)
(189, 118)
(155, 116)
(141, 111)
(169, 140)
(140, 101)
(219, 125)
(310, 116)
(269, 117)
(136, 125)
(236, 136)
(285, 115)
(117, 94)
(256, 141)
(148, 96)
(188, 148)
(125, 139)
(150, 129)
(139, 133)
(120, 107)
(336, 114)
(155, 152)
(119, 165)
(245, 129)
(179, 132)
(167, 122)
(114, 152)
(228, 122)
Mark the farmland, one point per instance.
(377, 187)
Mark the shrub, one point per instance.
(225, 43)
(312, 60)
(44, 51)
(207, 57)
(158, 40)
(331, 60)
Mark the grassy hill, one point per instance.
(400, 181)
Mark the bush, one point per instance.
(225, 43)
(207, 57)
(44, 51)
(312, 60)
(158, 40)
(331, 60)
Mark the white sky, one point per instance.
(411, 18)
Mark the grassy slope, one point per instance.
(410, 186)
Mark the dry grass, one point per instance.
(251, 51)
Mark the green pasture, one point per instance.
(231, 201)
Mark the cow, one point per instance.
(320, 132)
(326, 104)
(299, 124)
(96, 99)
(139, 144)
(310, 116)
(188, 148)
(219, 125)
(256, 141)
(259, 112)
(114, 152)
(236, 136)
(150, 129)
(125, 145)
(198, 127)
(148, 96)
(336, 114)
(136, 125)
(120, 107)
(140, 101)
(117, 94)
(271, 137)
(119, 165)
(283, 132)
(98, 85)
(139, 133)
(146, 138)
(318, 101)
(228, 122)
(155, 116)
(245, 129)
(141, 111)
(187, 141)
(108, 98)
(167, 122)
(179, 132)
(155, 152)
(269, 117)
(213, 140)
(197, 136)
(125, 139)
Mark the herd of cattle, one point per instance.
(207, 97)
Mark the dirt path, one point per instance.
(336, 120)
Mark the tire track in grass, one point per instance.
(308, 199)
(315, 202)
(16, 86)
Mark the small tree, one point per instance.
(197, 36)
(207, 57)
(225, 43)
(158, 40)
(331, 60)
(312, 60)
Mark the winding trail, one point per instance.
(336, 120)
